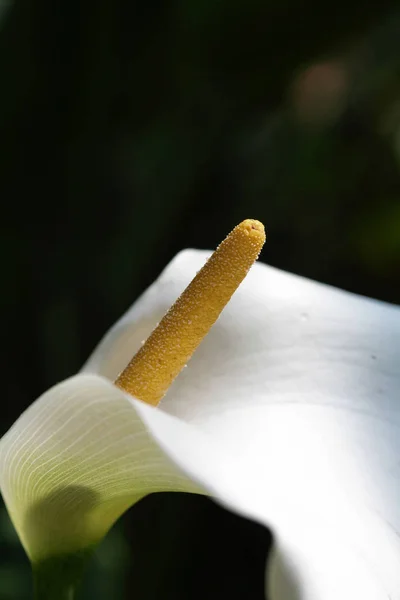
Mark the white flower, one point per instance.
(288, 413)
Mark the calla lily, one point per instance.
(288, 413)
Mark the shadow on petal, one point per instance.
(282, 582)
(58, 523)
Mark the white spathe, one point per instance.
(288, 413)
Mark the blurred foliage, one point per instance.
(130, 130)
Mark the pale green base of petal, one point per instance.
(58, 577)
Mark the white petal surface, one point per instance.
(77, 459)
(300, 384)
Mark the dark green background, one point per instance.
(130, 130)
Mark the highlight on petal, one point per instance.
(301, 384)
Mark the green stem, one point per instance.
(57, 578)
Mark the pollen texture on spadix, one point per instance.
(169, 347)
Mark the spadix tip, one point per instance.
(253, 227)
